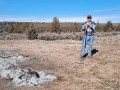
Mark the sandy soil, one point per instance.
(61, 57)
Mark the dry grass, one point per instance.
(101, 72)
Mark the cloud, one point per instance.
(107, 10)
(22, 19)
(102, 19)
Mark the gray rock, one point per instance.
(19, 76)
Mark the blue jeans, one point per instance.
(87, 40)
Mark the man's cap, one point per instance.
(89, 16)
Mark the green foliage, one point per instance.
(32, 34)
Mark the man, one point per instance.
(88, 28)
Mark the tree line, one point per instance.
(55, 26)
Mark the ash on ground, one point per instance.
(10, 70)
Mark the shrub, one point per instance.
(117, 28)
(55, 26)
(108, 26)
(32, 34)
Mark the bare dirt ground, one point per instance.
(60, 57)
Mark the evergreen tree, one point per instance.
(55, 26)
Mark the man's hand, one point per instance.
(91, 27)
(87, 27)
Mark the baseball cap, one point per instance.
(89, 16)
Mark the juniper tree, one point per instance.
(55, 25)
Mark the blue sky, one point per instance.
(65, 10)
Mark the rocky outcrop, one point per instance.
(18, 76)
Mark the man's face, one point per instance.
(89, 19)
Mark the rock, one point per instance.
(19, 76)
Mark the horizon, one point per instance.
(50, 22)
(65, 10)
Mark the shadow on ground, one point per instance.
(94, 51)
